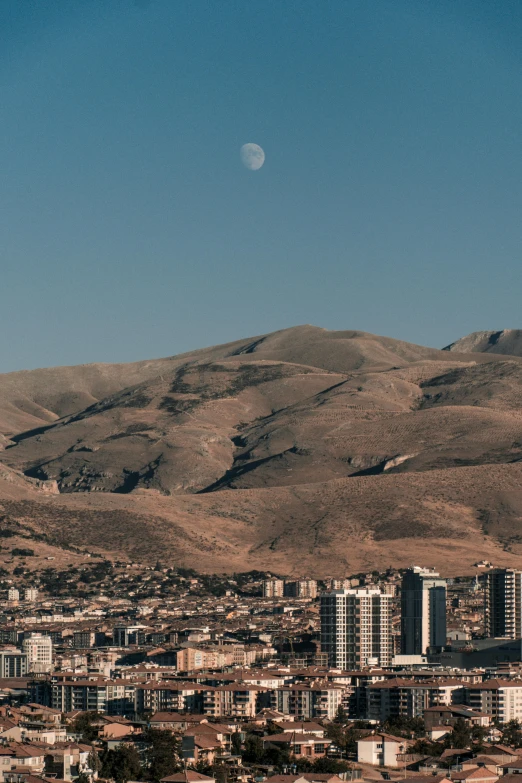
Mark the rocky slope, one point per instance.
(313, 450)
(507, 341)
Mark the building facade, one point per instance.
(503, 616)
(356, 628)
(423, 611)
(39, 650)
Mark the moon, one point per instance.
(252, 156)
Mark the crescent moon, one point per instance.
(252, 156)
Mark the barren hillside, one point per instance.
(305, 450)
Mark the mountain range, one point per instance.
(303, 451)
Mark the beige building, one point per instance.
(39, 650)
(502, 699)
(273, 588)
(381, 750)
(236, 700)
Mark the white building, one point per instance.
(381, 750)
(13, 594)
(502, 699)
(356, 628)
(39, 651)
(31, 594)
(273, 588)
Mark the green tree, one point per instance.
(253, 749)
(162, 754)
(512, 734)
(341, 716)
(426, 748)
(332, 766)
(278, 756)
(479, 734)
(88, 724)
(461, 735)
(93, 760)
(401, 726)
(236, 743)
(122, 764)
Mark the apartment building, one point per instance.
(273, 588)
(170, 697)
(423, 611)
(113, 697)
(356, 628)
(39, 651)
(503, 603)
(127, 635)
(307, 701)
(399, 697)
(13, 663)
(301, 588)
(502, 699)
(236, 700)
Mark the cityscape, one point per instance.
(260, 391)
(243, 677)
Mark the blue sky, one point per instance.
(390, 199)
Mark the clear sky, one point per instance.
(390, 199)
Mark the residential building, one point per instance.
(114, 697)
(306, 701)
(503, 599)
(31, 594)
(301, 745)
(170, 697)
(13, 594)
(39, 650)
(409, 699)
(13, 663)
(381, 750)
(126, 635)
(237, 700)
(273, 588)
(356, 628)
(423, 611)
(301, 588)
(448, 715)
(502, 699)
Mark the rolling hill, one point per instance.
(305, 449)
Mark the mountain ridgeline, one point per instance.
(304, 450)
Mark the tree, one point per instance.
(122, 764)
(461, 734)
(479, 734)
(253, 749)
(512, 734)
(93, 760)
(278, 756)
(162, 754)
(83, 778)
(341, 716)
(236, 743)
(87, 724)
(426, 748)
(332, 766)
(401, 726)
